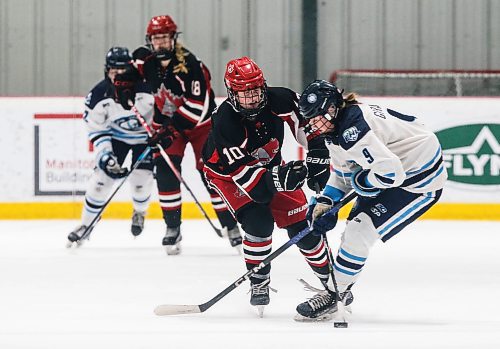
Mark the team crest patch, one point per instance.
(351, 134)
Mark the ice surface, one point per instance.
(435, 285)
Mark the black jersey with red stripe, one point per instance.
(182, 90)
(243, 150)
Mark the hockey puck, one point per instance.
(340, 324)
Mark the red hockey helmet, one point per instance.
(161, 25)
(243, 74)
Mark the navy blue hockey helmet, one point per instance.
(318, 96)
(119, 58)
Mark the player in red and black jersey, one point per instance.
(184, 101)
(243, 162)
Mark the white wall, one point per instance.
(65, 161)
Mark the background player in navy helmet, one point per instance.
(184, 101)
(390, 159)
(115, 131)
(243, 162)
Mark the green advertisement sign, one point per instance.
(472, 153)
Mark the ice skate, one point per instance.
(259, 296)
(172, 241)
(322, 307)
(235, 238)
(75, 237)
(137, 223)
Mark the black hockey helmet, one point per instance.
(318, 96)
(119, 58)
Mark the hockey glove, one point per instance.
(164, 137)
(288, 177)
(141, 53)
(109, 164)
(361, 185)
(319, 206)
(125, 88)
(318, 166)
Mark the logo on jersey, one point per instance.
(167, 101)
(266, 153)
(129, 123)
(471, 153)
(230, 68)
(351, 134)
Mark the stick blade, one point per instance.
(173, 309)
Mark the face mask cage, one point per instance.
(163, 54)
(237, 101)
(322, 123)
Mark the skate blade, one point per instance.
(173, 250)
(74, 244)
(260, 310)
(321, 318)
(239, 249)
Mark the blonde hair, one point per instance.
(350, 99)
(180, 54)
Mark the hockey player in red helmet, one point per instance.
(184, 101)
(243, 161)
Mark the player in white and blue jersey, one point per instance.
(390, 159)
(114, 131)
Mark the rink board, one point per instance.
(49, 159)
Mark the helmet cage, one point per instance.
(247, 113)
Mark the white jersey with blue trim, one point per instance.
(106, 119)
(398, 150)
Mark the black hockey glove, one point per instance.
(141, 53)
(318, 166)
(109, 164)
(361, 184)
(125, 88)
(288, 177)
(319, 206)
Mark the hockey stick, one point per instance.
(171, 309)
(174, 169)
(96, 219)
(338, 299)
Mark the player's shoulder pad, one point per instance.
(103, 90)
(281, 99)
(226, 122)
(351, 126)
